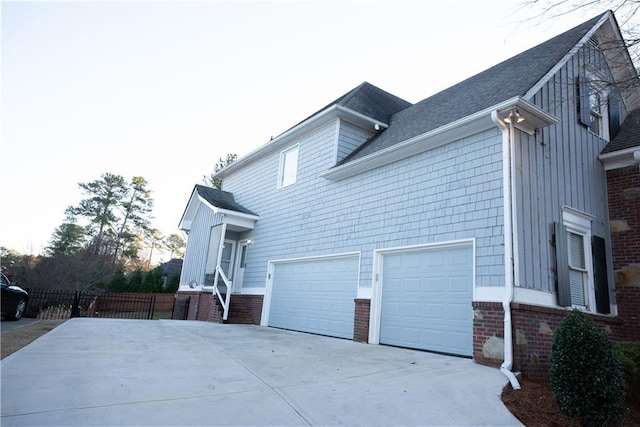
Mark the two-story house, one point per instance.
(467, 223)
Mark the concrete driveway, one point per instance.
(100, 372)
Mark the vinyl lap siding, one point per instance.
(448, 193)
(195, 258)
(349, 138)
(558, 166)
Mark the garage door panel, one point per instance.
(433, 311)
(315, 296)
(426, 299)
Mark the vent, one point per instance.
(594, 41)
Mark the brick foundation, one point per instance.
(361, 320)
(623, 188)
(488, 323)
(245, 309)
(533, 329)
(204, 306)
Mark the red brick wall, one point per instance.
(204, 306)
(245, 309)
(488, 322)
(361, 320)
(623, 187)
(533, 329)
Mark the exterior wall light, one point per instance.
(514, 117)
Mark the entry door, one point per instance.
(226, 262)
(241, 259)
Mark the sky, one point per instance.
(162, 90)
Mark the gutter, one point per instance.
(508, 140)
(621, 158)
(458, 129)
(332, 112)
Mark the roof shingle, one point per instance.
(513, 77)
(221, 199)
(628, 136)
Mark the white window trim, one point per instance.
(578, 222)
(596, 84)
(281, 167)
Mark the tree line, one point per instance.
(106, 241)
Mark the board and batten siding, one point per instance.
(448, 193)
(558, 166)
(195, 259)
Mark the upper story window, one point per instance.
(288, 170)
(595, 107)
(593, 103)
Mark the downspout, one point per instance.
(508, 140)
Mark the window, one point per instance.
(580, 264)
(595, 107)
(288, 170)
(593, 103)
(578, 274)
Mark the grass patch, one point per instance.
(15, 339)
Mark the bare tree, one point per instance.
(626, 12)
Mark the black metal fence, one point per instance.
(181, 308)
(61, 304)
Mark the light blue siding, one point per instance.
(448, 193)
(426, 300)
(195, 259)
(349, 138)
(558, 166)
(315, 296)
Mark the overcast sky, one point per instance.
(162, 90)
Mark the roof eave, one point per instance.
(453, 131)
(190, 210)
(187, 216)
(330, 113)
(621, 158)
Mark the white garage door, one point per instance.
(315, 296)
(426, 300)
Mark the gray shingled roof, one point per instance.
(372, 102)
(513, 77)
(369, 100)
(628, 136)
(221, 199)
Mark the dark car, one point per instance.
(14, 299)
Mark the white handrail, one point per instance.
(227, 299)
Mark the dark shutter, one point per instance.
(600, 276)
(614, 115)
(562, 265)
(584, 107)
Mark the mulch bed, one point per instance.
(535, 406)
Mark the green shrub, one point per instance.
(629, 354)
(173, 284)
(586, 375)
